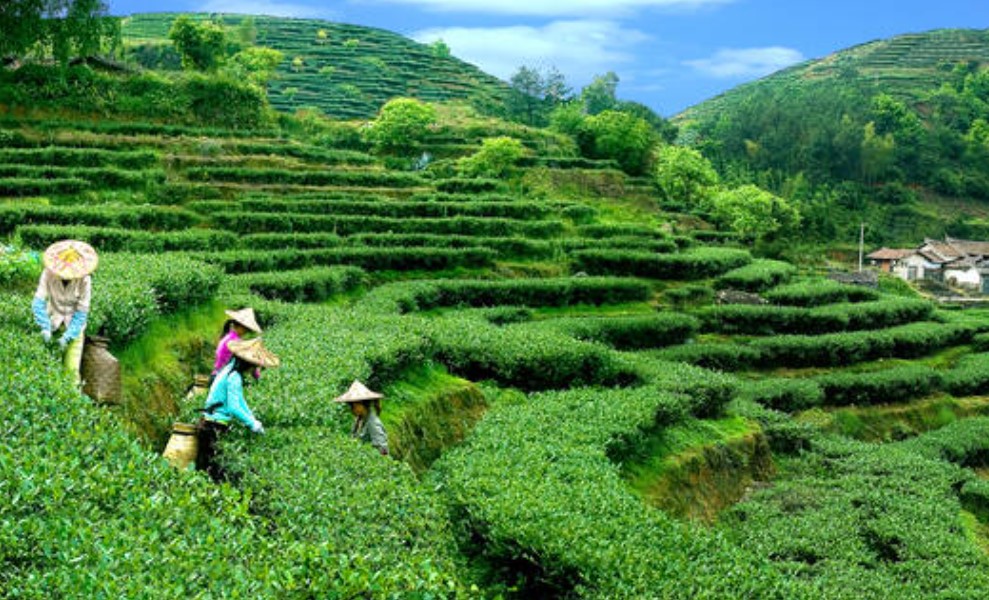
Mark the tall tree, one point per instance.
(202, 45)
(533, 95)
(61, 28)
(599, 95)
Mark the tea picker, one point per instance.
(225, 401)
(365, 406)
(62, 299)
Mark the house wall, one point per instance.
(914, 267)
(969, 278)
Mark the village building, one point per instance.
(958, 263)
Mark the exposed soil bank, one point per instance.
(697, 470)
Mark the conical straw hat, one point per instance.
(71, 259)
(253, 351)
(245, 317)
(358, 393)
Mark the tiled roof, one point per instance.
(890, 253)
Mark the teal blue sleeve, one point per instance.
(75, 325)
(235, 400)
(40, 309)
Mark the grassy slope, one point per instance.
(902, 66)
(369, 66)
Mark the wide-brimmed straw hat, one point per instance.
(71, 259)
(358, 393)
(245, 317)
(254, 352)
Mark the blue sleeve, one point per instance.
(40, 309)
(75, 325)
(235, 400)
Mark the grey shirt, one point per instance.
(370, 429)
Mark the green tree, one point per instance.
(623, 137)
(568, 118)
(62, 28)
(525, 97)
(599, 95)
(202, 45)
(752, 212)
(533, 95)
(663, 128)
(440, 49)
(255, 64)
(684, 176)
(877, 154)
(496, 158)
(401, 125)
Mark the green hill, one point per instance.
(570, 412)
(347, 73)
(891, 132)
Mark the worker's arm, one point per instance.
(39, 306)
(81, 314)
(237, 405)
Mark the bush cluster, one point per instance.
(758, 276)
(699, 263)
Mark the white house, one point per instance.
(959, 263)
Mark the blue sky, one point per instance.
(668, 54)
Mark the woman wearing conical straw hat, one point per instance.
(365, 406)
(238, 324)
(226, 403)
(63, 296)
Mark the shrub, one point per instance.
(758, 276)
(694, 264)
(629, 333)
(307, 285)
(817, 292)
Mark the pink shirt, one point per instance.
(223, 354)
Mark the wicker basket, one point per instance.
(100, 371)
(183, 446)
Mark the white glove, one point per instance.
(46, 335)
(257, 427)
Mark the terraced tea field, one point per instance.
(571, 414)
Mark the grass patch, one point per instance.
(428, 410)
(895, 422)
(698, 468)
(976, 531)
(157, 368)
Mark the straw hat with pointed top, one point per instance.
(358, 393)
(254, 352)
(71, 259)
(245, 317)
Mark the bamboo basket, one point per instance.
(100, 371)
(183, 446)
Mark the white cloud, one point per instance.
(271, 8)
(554, 8)
(746, 62)
(579, 49)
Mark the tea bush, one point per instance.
(758, 276)
(111, 239)
(131, 290)
(628, 333)
(306, 285)
(765, 320)
(535, 485)
(127, 217)
(247, 222)
(376, 259)
(426, 295)
(817, 292)
(693, 264)
(864, 521)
